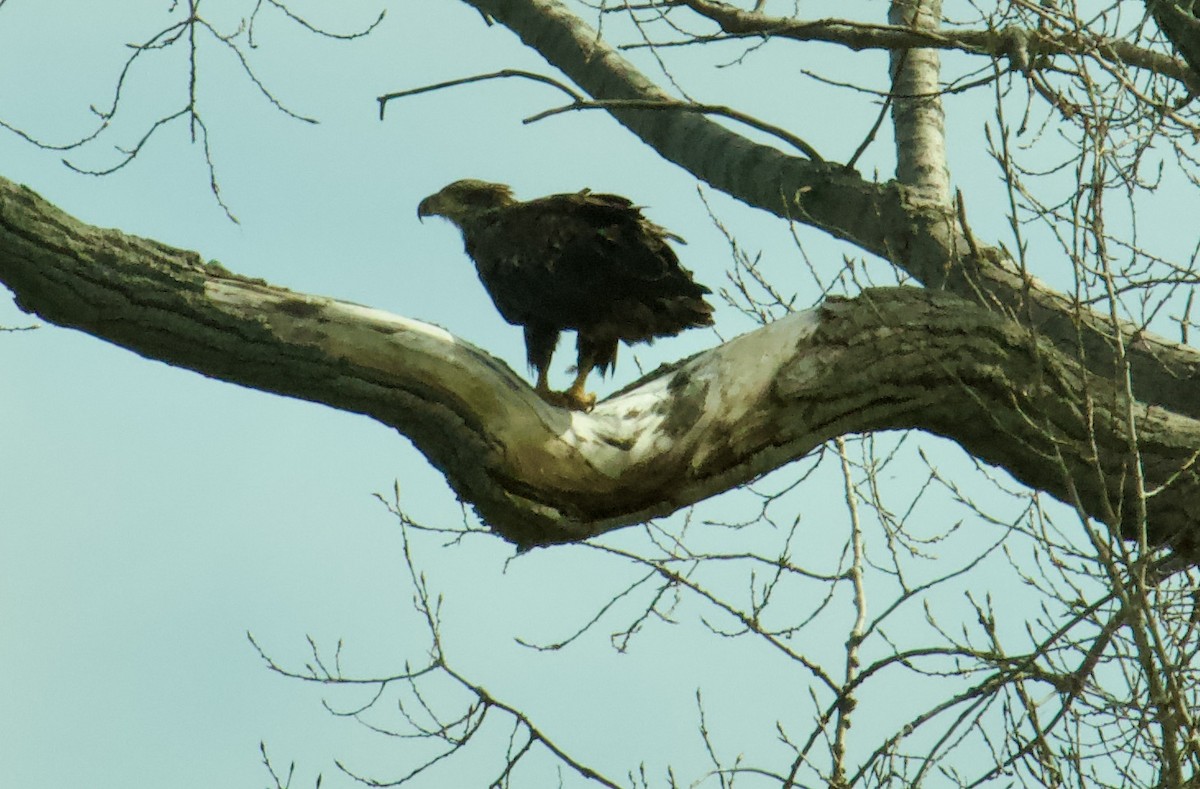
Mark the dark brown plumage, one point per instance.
(585, 262)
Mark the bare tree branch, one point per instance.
(1178, 21)
(1020, 46)
(925, 240)
(578, 102)
(893, 358)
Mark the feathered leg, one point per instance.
(591, 354)
(578, 399)
(539, 349)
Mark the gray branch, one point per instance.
(1178, 20)
(1020, 46)
(891, 358)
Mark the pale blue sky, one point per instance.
(149, 517)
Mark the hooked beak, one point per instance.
(425, 208)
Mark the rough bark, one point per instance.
(926, 240)
(891, 358)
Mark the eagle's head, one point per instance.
(462, 200)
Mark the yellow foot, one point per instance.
(576, 401)
(580, 401)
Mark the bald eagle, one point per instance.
(585, 262)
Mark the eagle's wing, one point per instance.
(577, 260)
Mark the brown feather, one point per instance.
(582, 261)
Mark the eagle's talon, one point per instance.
(582, 401)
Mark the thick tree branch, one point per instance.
(925, 240)
(1178, 20)
(1020, 46)
(892, 358)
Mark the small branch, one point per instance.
(846, 697)
(304, 23)
(579, 102)
(502, 74)
(131, 153)
(685, 106)
(874, 130)
(961, 210)
(185, 31)
(248, 70)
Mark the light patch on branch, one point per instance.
(891, 358)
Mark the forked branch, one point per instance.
(891, 358)
(882, 219)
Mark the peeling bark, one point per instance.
(538, 475)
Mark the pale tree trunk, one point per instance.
(890, 358)
(917, 114)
